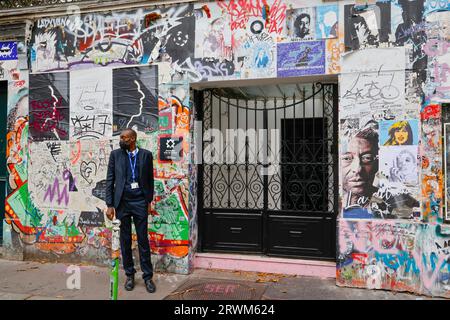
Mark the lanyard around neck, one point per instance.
(133, 165)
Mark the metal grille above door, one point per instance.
(278, 197)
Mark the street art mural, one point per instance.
(236, 39)
(49, 106)
(94, 74)
(121, 38)
(59, 209)
(367, 26)
(327, 25)
(394, 255)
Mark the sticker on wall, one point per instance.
(399, 133)
(91, 219)
(301, 58)
(327, 22)
(300, 24)
(8, 50)
(49, 106)
(135, 99)
(367, 27)
(258, 56)
(170, 148)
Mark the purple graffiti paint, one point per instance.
(301, 58)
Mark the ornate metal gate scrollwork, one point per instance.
(280, 197)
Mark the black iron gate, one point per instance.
(258, 196)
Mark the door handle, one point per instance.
(235, 229)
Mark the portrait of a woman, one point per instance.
(400, 134)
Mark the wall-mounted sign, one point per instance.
(8, 50)
(170, 148)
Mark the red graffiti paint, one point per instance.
(360, 257)
(241, 11)
(76, 154)
(46, 116)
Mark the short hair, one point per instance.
(300, 17)
(370, 135)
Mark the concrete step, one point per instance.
(252, 263)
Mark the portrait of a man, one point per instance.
(301, 24)
(359, 165)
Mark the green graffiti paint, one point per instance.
(171, 221)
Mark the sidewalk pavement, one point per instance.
(26, 280)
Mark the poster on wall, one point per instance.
(50, 181)
(368, 26)
(8, 50)
(127, 38)
(327, 22)
(301, 58)
(135, 99)
(398, 133)
(91, 104)
(409, 28)
(300, 24)
(49, 106)
(358, 169)
(372, 84)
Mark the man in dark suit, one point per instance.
(129, 193)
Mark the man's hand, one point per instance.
(110, 213)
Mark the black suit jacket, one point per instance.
(117, 171)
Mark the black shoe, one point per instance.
(150, 286)
(129, 283)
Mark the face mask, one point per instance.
(124, 145)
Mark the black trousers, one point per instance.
(136, 209)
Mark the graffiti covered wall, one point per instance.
(393, 86)
(92, 75)
(19, 223)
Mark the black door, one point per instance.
(3, 172)
(278, 197)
